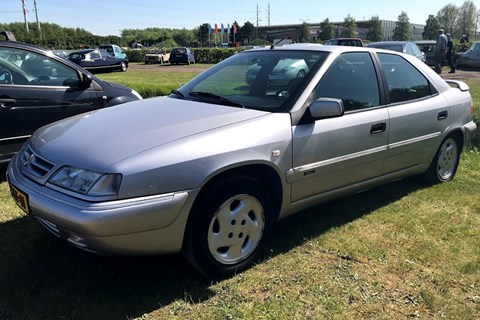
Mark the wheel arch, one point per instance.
(459, 136)
(264, 173)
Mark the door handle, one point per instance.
(442, 115)
(7, 103)
(378, 127)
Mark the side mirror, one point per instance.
(86, 80)
(326, 108)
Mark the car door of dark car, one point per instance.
(418, 115)
(333, 153)
(38, 91)
(106, 60)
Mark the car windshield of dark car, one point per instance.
(263, 80)
(179, 50)
(393, 47)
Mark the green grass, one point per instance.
(402, 251)
(154, 80)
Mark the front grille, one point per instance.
(34, 164)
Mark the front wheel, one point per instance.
(227, 226)
(446, 160)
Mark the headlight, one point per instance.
(136, 94)
(87, 182)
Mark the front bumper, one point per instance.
(139, 226)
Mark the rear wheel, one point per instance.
(446, 160)
(227, 226)
(123, 67)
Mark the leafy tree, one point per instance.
(447, 17)
(375, 31)
(184, 37)
(432, 25)
(467, 17)
(326, 28)
(246, 32)
(304, 33)
(402, 29)
(203, 34)
(349, 27)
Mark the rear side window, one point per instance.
(353, 79)
(404, 81)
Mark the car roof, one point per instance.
(389, 42)
(425, 42)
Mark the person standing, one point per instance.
(450, 55)
(440, 51)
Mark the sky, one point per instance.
(104, 17)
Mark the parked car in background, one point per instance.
(157, 56)
(208, 170)
(469, 58)
(428, 48)
(38, 87)
(284, 73)
(98, 60)
(400, 46)
(181, 55)
(113, 50)
(353, 42)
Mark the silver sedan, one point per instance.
(207, 170)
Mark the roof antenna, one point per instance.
(276, 43)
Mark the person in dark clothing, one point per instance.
(450, 55)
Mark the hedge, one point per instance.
(202, 55)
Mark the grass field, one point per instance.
(403, 251)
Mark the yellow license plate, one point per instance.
(20, 198)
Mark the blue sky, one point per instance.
(110, 17)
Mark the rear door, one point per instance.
(418, 114)
(36, 90)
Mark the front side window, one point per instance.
(404, 81)
(21, 67)
(351, 78)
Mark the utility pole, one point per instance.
(25, 15)
(269, 14)
(38, 22)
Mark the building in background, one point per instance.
(291, 31)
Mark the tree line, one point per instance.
(456, 20)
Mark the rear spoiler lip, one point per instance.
(462, 86)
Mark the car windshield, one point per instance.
(268, 80)
(393, 47)
(179, 50)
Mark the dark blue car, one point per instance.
(181, 55)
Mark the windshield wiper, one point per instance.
(217, 98)
(178, 94)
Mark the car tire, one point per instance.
(228, 225)
(445, 163)
(123, 66)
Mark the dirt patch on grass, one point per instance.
(461, 75)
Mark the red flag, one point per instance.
(216, 28)
(234, 28)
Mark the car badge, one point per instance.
(26, 162)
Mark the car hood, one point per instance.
(117, 85)
(101, 138)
